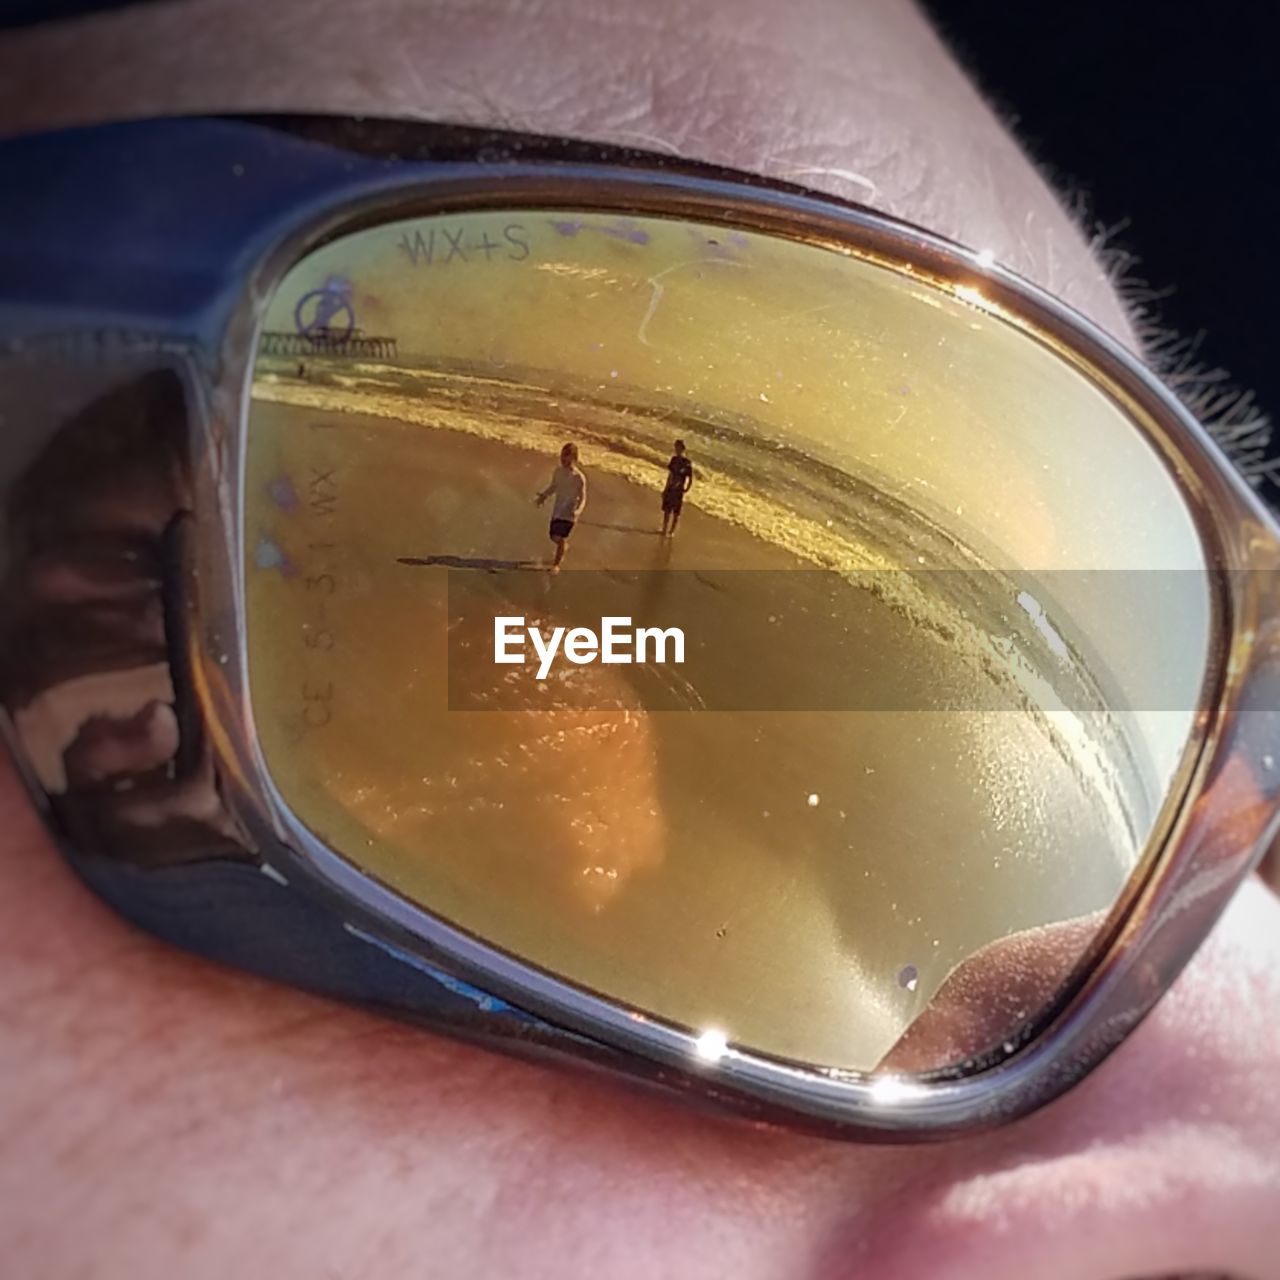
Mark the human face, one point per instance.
(271, 1122)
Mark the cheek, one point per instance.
(1215, 1039)
(134, 1074)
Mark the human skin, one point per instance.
(160, 1116)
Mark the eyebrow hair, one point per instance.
(1229, 411)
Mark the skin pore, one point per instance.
(162, 1116)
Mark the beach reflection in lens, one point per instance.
(813, 879)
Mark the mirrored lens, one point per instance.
(750, 632)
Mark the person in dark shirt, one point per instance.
(679, 482)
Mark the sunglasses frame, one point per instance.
(192, 223)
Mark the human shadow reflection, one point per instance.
(621, 528)
(490, 564)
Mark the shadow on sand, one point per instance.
(621, 528)
(471, 562)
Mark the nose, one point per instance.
(1166, 1162)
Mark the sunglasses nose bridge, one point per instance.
(1257, 727)
(1269, 867)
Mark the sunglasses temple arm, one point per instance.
(238, 914)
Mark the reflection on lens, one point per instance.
(908, 748)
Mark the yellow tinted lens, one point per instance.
(890, 764)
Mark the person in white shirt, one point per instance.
(570, 488)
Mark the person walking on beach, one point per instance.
(570, 488)
(679, 482)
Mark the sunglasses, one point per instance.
(619, 611)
